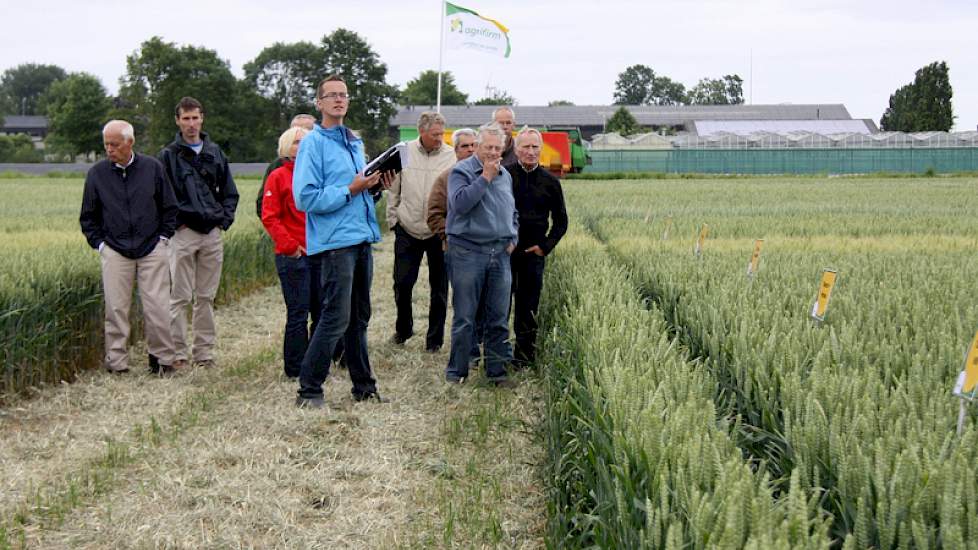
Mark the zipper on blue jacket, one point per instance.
(366, 205)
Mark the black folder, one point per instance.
(388, 161)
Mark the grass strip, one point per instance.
(48, 506)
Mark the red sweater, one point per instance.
(281, 219)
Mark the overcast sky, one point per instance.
(855, 52)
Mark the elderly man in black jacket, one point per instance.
(206, 201)
(128, 214)
(539, 201)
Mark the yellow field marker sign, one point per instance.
(755, 258)
(824, 293)
(964, 387)
(704, 231)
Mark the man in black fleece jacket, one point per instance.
(128, 214)
(539, 199)
(207, 199)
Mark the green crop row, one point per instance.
(856, 410)
(51, 320)
(640, 457)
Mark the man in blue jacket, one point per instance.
(341, 225)
(129, 214)
(482, 232)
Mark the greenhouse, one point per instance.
(794, 152)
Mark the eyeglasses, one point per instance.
(332, 96)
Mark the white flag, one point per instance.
(467, 29)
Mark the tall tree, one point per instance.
(372, 98)
(77, 108)
(633, 85)
(923, 105)
(497, 97)
(159, 73)
(623, 122)
(639, 85)
(665, 91)
(286, 75)
(22, 87)
(423, 90)
(728, 90)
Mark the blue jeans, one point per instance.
(300, 289)
(476, 274)
(346, 277)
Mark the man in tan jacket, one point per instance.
(407, 211)
(463, 140)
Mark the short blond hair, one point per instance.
(287, 137)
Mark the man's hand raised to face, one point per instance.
(491, 169)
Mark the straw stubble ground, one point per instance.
(221, 458)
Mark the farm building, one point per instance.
(34, 126)
(692, 119)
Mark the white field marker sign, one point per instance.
(665, 232)
(704, 231)
(825, 287)
(755, 258)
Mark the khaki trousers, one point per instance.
(153, 277)
(195, 271)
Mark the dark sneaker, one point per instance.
(454, 380)
(398, 340)
(310, 402)
(118, 371)
(432, 349)
(372, 396)
(504, 383)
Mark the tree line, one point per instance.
(923, 105)
(244, 116)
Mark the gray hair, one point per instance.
(122, 127)
(527, 130)
(303, 120)
(462, 132)
(491, 128)
(503, 108)
(428, 118)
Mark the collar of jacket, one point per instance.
(122, 169)
(437, 151)
(337, 133)
(204, 138)
(289, 164)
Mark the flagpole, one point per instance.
(441, 51)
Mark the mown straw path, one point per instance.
(221, 458)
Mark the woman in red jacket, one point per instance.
(299, 276)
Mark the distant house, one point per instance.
(591, 119)
(34, 126)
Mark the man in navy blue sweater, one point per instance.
(129, 214)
